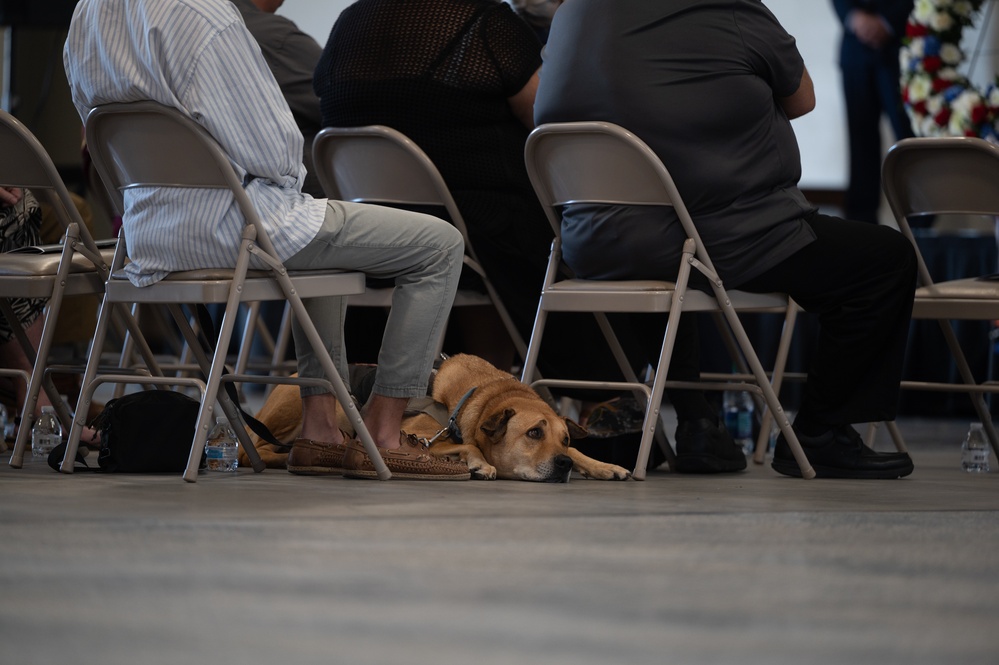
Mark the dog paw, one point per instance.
(482, 471)
(606, 472)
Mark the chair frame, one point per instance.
(148, 144)
(947, 175)
(78, 266)
(380, 165)
(599, 162)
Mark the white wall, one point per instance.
(821, 134)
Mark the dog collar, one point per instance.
(452, 423)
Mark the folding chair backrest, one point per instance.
(26, 164)
(948, 175)
(121, 137)
(380, 165)
(599, 162)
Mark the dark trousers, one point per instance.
(870, 90)
(859, 280)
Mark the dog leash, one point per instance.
(451, 429)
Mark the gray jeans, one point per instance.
(421, 253)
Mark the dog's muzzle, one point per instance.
(561, 468)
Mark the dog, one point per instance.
(501, 427)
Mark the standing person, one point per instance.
(292, 56)
(868, 59)
(198, 57)
(711, 86)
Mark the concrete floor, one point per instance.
(275, 568)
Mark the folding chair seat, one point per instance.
(598, 162)
(380, 165)
(954, 176)
(78, 265)
(147, 144)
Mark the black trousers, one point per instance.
(859, 279)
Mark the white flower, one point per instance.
(924, 11)
(916, 47)
(951, 54)
(934, 104)
(919, 88)
(929, 127)
(993, 96)
(948, 74)
(942, 22)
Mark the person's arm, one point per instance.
(802, 100)
(522, 103)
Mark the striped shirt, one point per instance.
(198, 57)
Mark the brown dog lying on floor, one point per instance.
(506, 430)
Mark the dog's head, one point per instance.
(528, 443)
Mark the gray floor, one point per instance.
(273, 568)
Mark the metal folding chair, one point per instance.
(936, 176)
(76, 266)
(598, 162)
(376, 164)
(148, 144)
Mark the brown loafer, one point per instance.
(410, 460)
(316, 458)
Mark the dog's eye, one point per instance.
(535, 433)
(565, 441)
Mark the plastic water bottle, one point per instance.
(222, 448)
(738, 417)
(46, 433)
(975, 450)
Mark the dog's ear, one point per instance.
(495, 425)
(576, 431)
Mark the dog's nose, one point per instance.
(563, 464)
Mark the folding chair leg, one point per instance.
(39, 380)
(228, 407)
(763, 381)
(976, 398)
(780, 365)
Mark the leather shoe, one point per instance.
(316, 458)
(840, 453)
(704, 446)
(409, 460)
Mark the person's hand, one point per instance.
(869, 29)
(10, 195)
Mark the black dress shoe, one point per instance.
(704, 446)
(841, 453)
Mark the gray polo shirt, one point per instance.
(697, 81)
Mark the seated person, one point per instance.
(292, 56)
(199, 58)
(25, 222)
(20, 221)
(711, 88)
(458, 77)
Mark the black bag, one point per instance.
(147, 432)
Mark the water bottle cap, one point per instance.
(48, 409)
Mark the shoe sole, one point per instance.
(315, 471)
(792, 469)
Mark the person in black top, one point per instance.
(459, 77)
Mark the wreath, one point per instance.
(939, 100)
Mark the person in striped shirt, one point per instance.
(197, 56)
